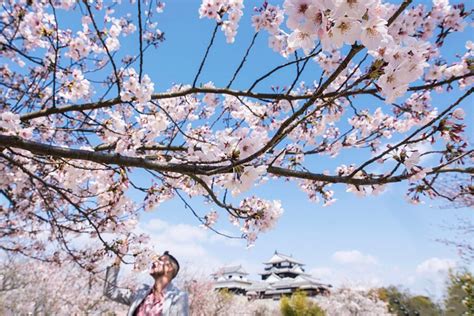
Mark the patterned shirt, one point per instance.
(152, 305)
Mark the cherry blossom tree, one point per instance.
(79, 116)
(346, 301)
(50, 289)
(205, 300)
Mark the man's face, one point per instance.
(161, 266)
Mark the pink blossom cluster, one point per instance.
(227, 13)
(335, 24)
(261, 215)
(134, 90)
(353, 301)
(313, 188)
(243, 181)
(80, 46)
(210, 218)
(157, 195)
(269, 18)
(75, 87)
(366, 22)
(10, 124)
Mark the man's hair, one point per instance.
(174, 263)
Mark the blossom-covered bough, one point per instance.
(80, 117)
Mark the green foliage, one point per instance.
(225, 296)
(299, 305)
(402, 303)
(460, 294)
(424, 306)
(285, 307)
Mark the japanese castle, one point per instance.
(282, 275)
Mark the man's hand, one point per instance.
(122, 250)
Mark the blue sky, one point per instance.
(375, 240)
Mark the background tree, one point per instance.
(204, 300)
(402, 303)
(81, 125)
(347, 301)
(49, 289)
(459, 298)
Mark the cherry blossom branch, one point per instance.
(66, 198)
(430, 123)
(99, 35)
(190, 170)
(285, 127)
(268, 74)
(299, 70)
(370, 180)
(272, 96)
(399, 11)
(203, 222)
(98, 157)
(236, 212)
(185, 92)
(428, 86)
(140, 40)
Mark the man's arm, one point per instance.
(111, 291)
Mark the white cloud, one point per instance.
(321, 272)
(353, 257)
(430, 276)
(435, 265)
(190, 244)
(154, 224)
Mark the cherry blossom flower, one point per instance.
(211, 218)
(216, 9)
(296, 10)
(345, 30)
(374, 33)
(270, 18)
(392, 84)
(459, 114)
(299, 39)
(262, 216)
(79, 47)
(134, 90)
(77, 87)
(10, 122)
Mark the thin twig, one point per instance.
(205, 55)
(243, 61)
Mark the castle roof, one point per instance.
(230, 270)
(279, 258)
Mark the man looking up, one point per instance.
(161, 299)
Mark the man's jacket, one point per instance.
(175, 304)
